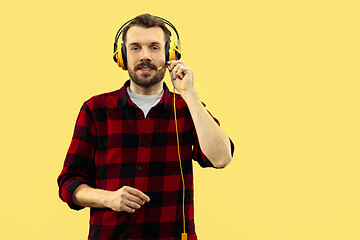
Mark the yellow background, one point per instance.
(281, 76)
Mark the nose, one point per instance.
(145, 55)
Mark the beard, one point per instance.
(144, 80)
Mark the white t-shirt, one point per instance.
(145, 102)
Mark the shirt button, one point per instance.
(141, 117)
(143, 143)
(140, 169)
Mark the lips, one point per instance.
(145, 67)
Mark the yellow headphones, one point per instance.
(172, 49)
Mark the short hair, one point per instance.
(147, 21)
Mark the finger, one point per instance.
(176, 62)
(180, 71)
(138, 193)
(176, 68)
(135, 199)
(132, 205)
(180, 75)
(171, 65)
(176, 75)
(127, 209)
(182, 63)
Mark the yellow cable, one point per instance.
(183, 235)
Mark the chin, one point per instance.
(145, 75)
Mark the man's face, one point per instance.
(145, 53)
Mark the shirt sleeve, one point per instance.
(79, 165)
(198, 155)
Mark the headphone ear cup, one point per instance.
(122, 60)
(167, 50)
(174, 53)
(177, 54)
(115, 57)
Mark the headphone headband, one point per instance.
(129, 21)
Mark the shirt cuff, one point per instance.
(69, 194)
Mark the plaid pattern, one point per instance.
(114, 146)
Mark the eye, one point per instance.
(135, 48)
(155, 47)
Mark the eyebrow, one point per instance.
(155, 43)
(136, 43)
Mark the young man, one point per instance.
(123, 159)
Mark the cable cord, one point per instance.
(184, 234)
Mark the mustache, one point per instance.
(143, 65)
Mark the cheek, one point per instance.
(162, 55)
(132, 59)
(159, 59)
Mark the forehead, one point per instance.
(144, 35)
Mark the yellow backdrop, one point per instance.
(281, 76)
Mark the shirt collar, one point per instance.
(123, 96)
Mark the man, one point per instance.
(123, 160)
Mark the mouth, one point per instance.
(146, 69)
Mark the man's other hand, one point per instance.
(126, 199)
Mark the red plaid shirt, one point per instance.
(114, 146)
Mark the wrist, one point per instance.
(189, 95)
(105, 199)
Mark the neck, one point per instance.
(156, 89)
